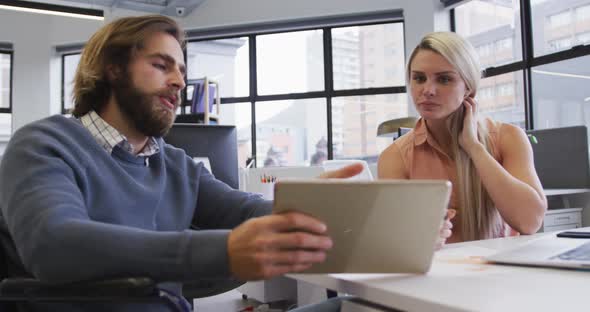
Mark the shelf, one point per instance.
(207, 115)
(195, 118)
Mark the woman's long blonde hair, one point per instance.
(480, 219)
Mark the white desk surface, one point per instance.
(460, 281)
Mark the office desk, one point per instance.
(570, 198)
(460, 281)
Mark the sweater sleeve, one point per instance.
(44, 210)
(220, 206)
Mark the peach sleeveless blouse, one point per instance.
(423, 158)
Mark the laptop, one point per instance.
(548, 251)
(384, 226)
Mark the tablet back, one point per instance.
(385, 226)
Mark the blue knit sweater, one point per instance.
(75, 212)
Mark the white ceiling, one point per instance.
(178, 8)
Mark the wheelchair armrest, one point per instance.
(117, 287)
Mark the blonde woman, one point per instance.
(496, 191)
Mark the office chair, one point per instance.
(15, 290)
(140, 290)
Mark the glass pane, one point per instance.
(291, 132)
(5, 125)
(493, 27)
(224, 60)
(355, 120)
(5, 80)
(70, 65)
(569, 106)
(500, 98)
(239, 115)
(559, 25)
(368, 56)
(290, 62)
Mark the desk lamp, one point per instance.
(392, 128)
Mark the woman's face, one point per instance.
(436, 87)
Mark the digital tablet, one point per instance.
(384, 226)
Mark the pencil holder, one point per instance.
(267, 190)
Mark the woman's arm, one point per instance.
(513, 186)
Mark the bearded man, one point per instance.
(101, 195)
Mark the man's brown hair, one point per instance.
(114, 44)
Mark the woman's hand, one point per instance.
(445, 229)
(468, 137)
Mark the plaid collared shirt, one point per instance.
(108, 137)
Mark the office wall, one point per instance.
(419, 15)
(36, 67)
(37, 70)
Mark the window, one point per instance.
(290, 62)
(5, 92)
(486, 93)
(504, 45)
(506, 89)
(571, 105)
(499, 100)
(559, 19)
(69, 63)
(5, 78)
(239, 115)
(491, 26)
(358, 48)
(547, 88)
(559, 44)
(583, 38)
(485, 50)
(355, 120)
(566, 24)
(290, 132)
(224, 60)
(583, 13)
(302, 96)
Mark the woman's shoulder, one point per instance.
(499, 126)
(504, 136)
(400, 147)
(499, 130)
(502, 129)
(405, 141)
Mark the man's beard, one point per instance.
(144, 110)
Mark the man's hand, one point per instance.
(343, 173)
(269, 246)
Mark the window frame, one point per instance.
(65, 111)
(10, 52)
(328, 92)
(529, 60)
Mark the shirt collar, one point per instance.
(423, 136)
(108, 137)
(420, 132)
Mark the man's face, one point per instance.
(148, 93)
